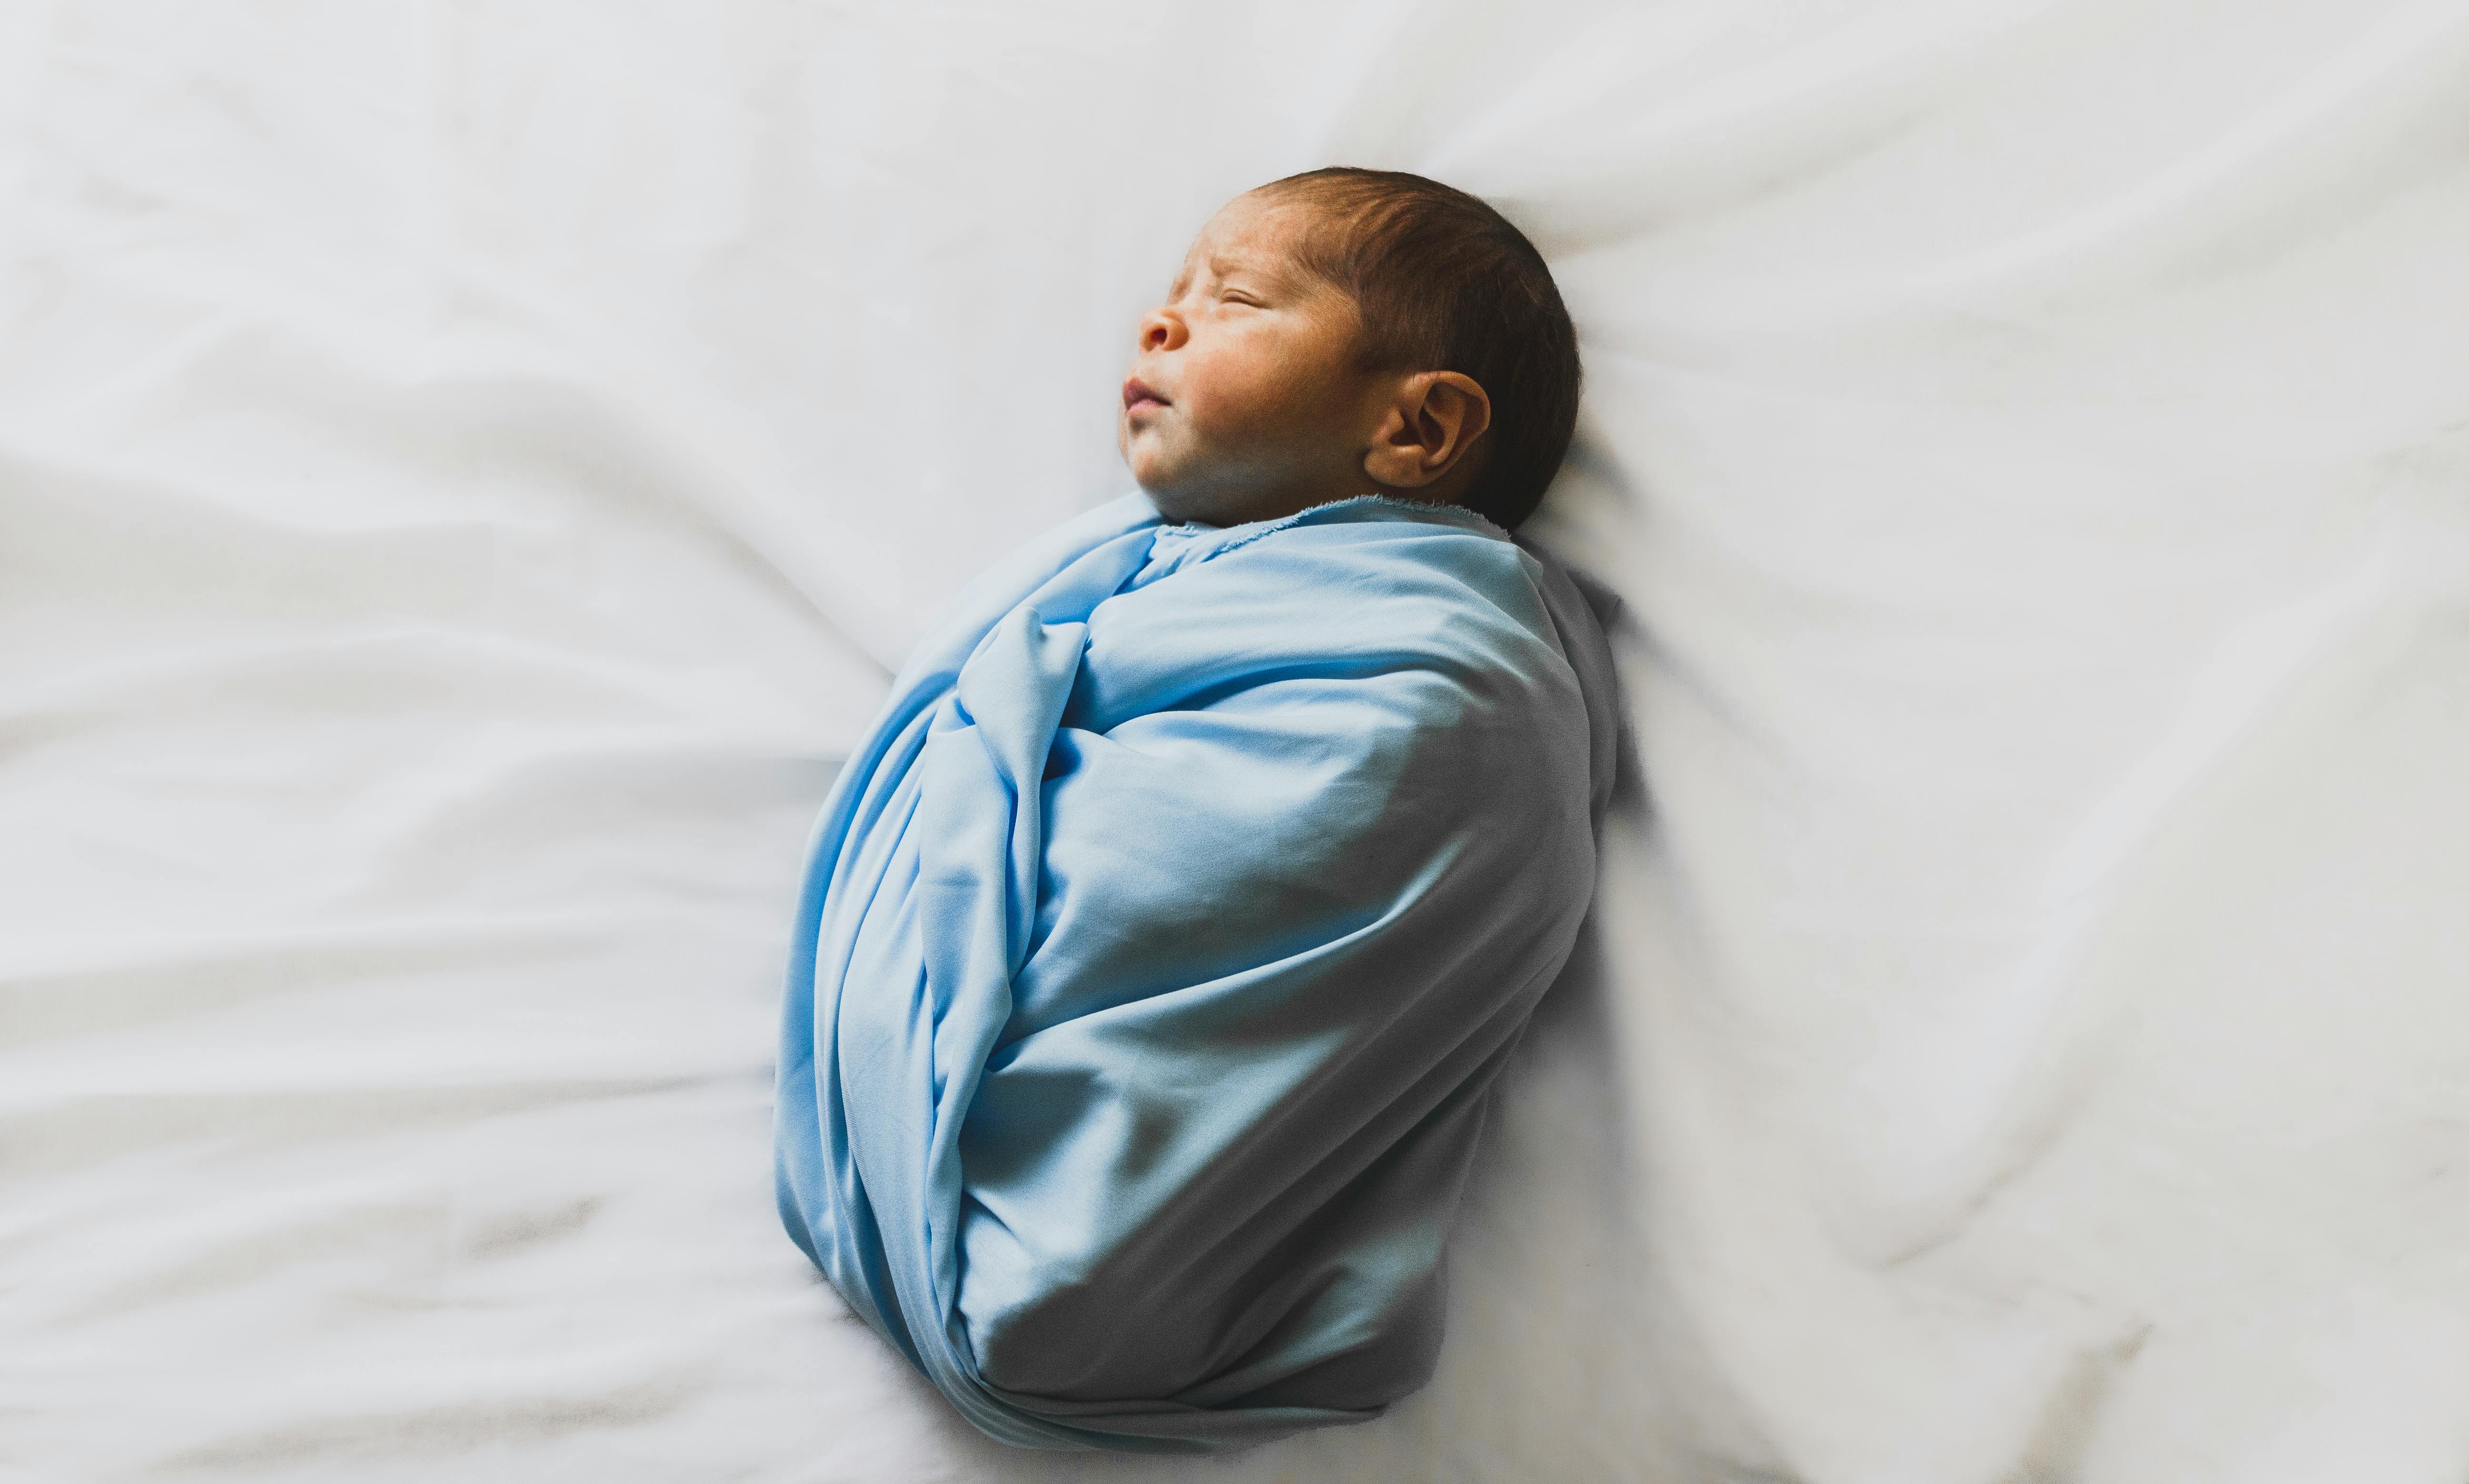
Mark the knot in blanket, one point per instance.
(1159, 947)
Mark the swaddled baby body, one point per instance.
(1162, 940)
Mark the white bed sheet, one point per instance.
(466, 469)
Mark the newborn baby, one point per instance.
(1346, 333)
(1162, 939)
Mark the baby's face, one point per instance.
(1245, 402)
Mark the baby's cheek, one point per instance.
(1233, 411)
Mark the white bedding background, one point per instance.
(466, 469)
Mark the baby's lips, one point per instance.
(1137, 391)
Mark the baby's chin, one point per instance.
(1207, 504)
(1216, 493)
(1179, 496)
(1182, 505)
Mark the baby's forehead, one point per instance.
(1251, 234)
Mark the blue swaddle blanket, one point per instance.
(1158, 949)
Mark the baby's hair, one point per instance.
(1445, 282)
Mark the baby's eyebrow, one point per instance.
(1257, 267)
(1266, 272)
(1221, 267)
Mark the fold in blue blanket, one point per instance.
(1158, 950)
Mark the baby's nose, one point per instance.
(1160, 331)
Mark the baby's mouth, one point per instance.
(1139, 396)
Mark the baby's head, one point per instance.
(1352, 332)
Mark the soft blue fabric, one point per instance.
(1157, 952)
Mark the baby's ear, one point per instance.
(1437, 416)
